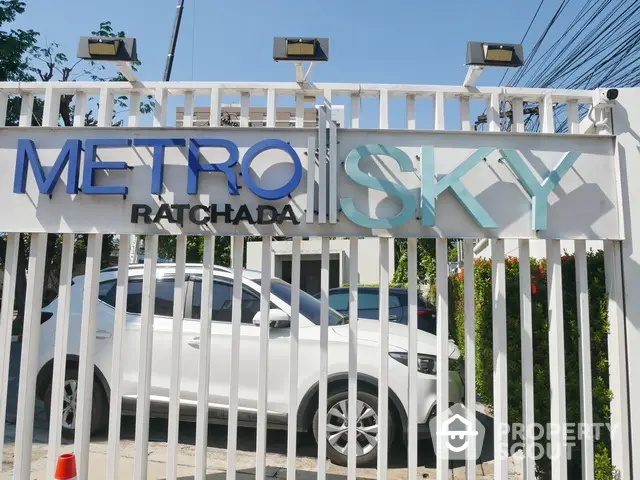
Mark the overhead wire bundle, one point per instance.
(599, 48)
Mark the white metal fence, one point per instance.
(187, 95)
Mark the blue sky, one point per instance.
(371, 42)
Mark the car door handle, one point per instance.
(103, 334)
(194, 342)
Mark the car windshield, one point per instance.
(309, 306)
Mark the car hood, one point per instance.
(369, 330)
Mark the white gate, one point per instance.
(560, 189)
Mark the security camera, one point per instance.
(609, 94)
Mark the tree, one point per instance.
(22, 59)
(15, 46)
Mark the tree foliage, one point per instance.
(22, 58)
(599, 328)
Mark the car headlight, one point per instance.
(426, 363)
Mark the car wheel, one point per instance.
(366, 428)
(99, 409)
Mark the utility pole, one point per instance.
(134, 247)
(174, 40)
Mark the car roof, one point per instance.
(163, 269)
(370, 288)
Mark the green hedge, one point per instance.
(484, 349)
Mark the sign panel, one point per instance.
(254, 181)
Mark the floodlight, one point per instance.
(483, 54)
(108, 49)
(494, 54)
(297, 49)
(121, 50)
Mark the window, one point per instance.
(394, 301)
(368, 300)
(339, 301)
(223, 301)
(309, 306)
(164, 295)
(165, 289)
(107, 292)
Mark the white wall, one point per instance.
(626, 125)
(368, 256)
(538, 248)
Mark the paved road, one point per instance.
(306, 462)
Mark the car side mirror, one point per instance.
(277, 319)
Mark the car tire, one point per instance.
(99, 409)
(337, 451)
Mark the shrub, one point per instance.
(484, 346)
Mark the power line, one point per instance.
(525, 34)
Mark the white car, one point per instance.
(278, 396)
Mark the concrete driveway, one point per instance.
(306, 461)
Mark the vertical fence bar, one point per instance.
(333, 172)
(204, 365)
(105, 107)
(352, 414)
(355, 110)
(4, 102)
(214, 107)
(384, 108)
(573, 117)
(179, 296)
(187, 116)
(584, 354)
(383, 376)
(26, 110)
(493, 112)
(412, 277)
(134, 110)
(244, 109)
(6, 322)
(146, 354)
(299, 110)
(29, 356)
(328, 99)
(324, 358)
(465, 122)
(620, 454)
(526, 359)
(160, 108)
(293, 358)
(470, 349)
(234, 373)
(518, 115)
(311, 180)
(265, 302)
(51, 108)
(271, 108)
(556, 361)
(410, 123)
(80, 108)
(119, 323)
(546, 115)
(442, 353)
(500, 437)
(60, 353)
(87, 347)
(80, 101)
(438, 111)
(322, 165)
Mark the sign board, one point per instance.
(253, 182)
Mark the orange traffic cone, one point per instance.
(66, 467)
